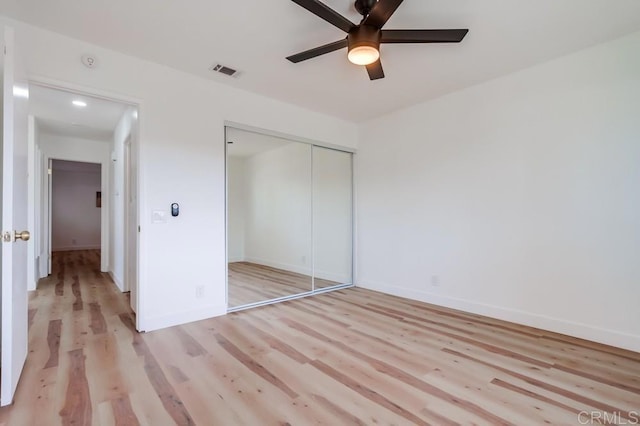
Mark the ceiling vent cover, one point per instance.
(224, 70)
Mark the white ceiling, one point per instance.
(57, 115)
(255, 36)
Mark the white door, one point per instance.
(14, 218)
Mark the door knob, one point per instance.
(24, 236)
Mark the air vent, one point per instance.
(224, 70)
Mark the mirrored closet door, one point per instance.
(268, 218)
(332, 218)
(289, 218)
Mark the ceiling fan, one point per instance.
(363, 40)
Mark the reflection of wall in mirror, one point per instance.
(332, 220)
(236, 195)
(271, 223)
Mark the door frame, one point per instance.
(137, 152)
(105, 210)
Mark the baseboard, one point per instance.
(118, 282)
(284, 266)
(558, 325)
(233, 259)
(74, 248)
(176, 318)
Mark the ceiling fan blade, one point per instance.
(317, 51)
(375, 70)
(381, 12)
(325, 12)
(423, 36)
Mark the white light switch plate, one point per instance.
(159, 216)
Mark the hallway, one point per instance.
(79, 330)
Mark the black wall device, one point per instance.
(175, 209)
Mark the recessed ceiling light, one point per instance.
(80, 104)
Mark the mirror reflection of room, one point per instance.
(289, 218)
(269, 217)
(332, 218)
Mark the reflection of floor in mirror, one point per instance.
(250, 283)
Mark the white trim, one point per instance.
(68, 86)
(104, 212)
(287, 298)
(31, 203)
(141, 209)
(116, 281)
(544, 322)
(287, 136)
(177, 318)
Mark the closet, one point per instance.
(289, 218)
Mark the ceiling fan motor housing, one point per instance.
(364, 35)
(364, 6)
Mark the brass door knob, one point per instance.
(24, 236)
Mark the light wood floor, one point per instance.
(347, 357)
(250, 283)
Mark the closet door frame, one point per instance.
(293, 138)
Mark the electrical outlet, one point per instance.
(304, 260)
(435, 281)
(199, 292)
(74, 242)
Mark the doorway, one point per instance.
(76, 203)
(81, 130)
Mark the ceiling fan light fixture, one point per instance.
(363, 55)
(363, 45)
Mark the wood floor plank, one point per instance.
(77, 409)
(165, 392)
(367, 392)
(98, 324)
(251, 282)
(254, 366)
(53, 340)
(555, 389)
(75, 289)
(353, 356)
(123, 413)
(190, 345)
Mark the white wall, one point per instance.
(83, 150)
(518, 198)
(75, 217)
(181, 142)
(278, 208)
(236, 199)
(270, 202)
